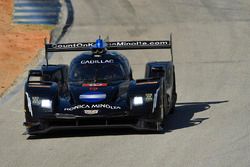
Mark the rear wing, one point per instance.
(115, 45)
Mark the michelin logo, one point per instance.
(93, 106)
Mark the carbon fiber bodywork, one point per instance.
(55, 101)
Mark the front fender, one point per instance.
(151, 92)
(37, 91)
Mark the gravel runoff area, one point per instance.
(19, 45)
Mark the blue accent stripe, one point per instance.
(92, 97)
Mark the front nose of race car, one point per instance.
(96, 106)
(104, 99)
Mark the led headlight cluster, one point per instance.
(46, 103)
(137, 100)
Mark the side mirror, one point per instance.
(34, 75)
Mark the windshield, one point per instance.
(96, 72)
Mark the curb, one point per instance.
(45, 12)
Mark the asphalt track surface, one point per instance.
(211, 125)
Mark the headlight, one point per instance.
(138, 100)
(46, 103)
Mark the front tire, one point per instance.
(160, 124)
(174, 96)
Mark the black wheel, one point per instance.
(174, 96)
(172, 110)
(166, 105)
(160, 125)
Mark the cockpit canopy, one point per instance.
(110, 67)
(97, 72)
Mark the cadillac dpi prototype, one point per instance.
(97, 89)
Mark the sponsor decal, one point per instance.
(96, 55)
(95, 85)
(139, 43)
(36, 100)
(72, 45)
(93, 106)
(108, 61)
(93, 88)
(111, 44)
(92, 97)
(148, 97)
(91, 112)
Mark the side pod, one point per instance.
(150, 91)
(40, 99)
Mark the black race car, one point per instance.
(97, 90)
